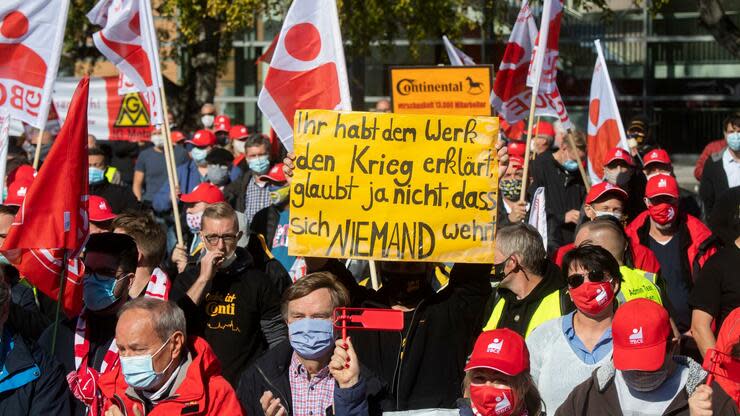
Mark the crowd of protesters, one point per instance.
(612, 312)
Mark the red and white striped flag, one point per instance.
(128, 39)
(543, 71)
(307, 69)
(605, 129)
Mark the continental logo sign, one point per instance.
(442, 90)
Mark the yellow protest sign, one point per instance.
(462, 90)
(393, 186)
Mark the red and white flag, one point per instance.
(543, 71)
(457, 57)
(511, 96)
(51, 222)
(4, 141)
(128, 39)
(307, 70)
(605, 129)
(31, 36)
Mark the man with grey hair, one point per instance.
(33, 383)
(528, 292)
(161, 371)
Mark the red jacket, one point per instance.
(203, 392)
(694, 238)
(642, 257)
(709, 150)
(729, 334)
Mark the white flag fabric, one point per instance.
(537, 215)
(510, 96)
(543, 70)
(307, 70)
(31, 36)
(605, 129)
(128, 39)
(457, 57)
(4, 133)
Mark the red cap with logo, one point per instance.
(99, 209)
(640, 331)
(604, 188)
(203, 138)
(22, 172)
(543, 128)
(275, 174)
(502, 350)
(17, 192)
(177, 136)
(656, 156)
(222, 123)
(617, 153)
(204, 192)
(516, 148)
(661, 184)
(238, 132)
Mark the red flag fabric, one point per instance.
(53, 216)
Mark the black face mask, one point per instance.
(498, 274)
(406, 289)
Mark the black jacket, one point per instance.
(119, 197)
(124, 153)
(713, 182)
(564, 191)
(270, 372)
(236, 192)
(32, 382)
(239, 314)
(427, 372)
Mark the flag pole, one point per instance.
(169, 159)
(530, 122)
(60, 299)
(373, 275)
(37, 153)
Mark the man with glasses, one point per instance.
(226, 300)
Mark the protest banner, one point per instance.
(110, 116)
(441, 90)
(394, 187)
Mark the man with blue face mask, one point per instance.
(722, 170)
(162, 372)
(314, 373)
(119, 197)
(84, 344)
(250, 193)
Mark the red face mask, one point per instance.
(491, 401)
(592, 297)
(663, 213)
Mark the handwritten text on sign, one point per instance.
(394, 187)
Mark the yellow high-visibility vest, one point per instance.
(549, 308)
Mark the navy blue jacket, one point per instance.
(31, 382)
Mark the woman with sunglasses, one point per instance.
(566, 350)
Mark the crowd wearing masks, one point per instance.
(623, 306)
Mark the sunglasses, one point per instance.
(577, 279)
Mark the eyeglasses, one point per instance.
(228, 238)
(577, 279)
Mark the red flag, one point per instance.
(53, 216)
(266, 57)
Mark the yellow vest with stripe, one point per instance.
(549, 308)
(638, 284)
(110, 173)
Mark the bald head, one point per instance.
(603, 233)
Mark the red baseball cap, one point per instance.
(617, 153)
(22, 172)
(640, 331)
(204, 192)
(517, 162)
(17, 192)
(275, 174)
(99, 209)
(222, 123)
(516, 148)
(603, 188)
(502, 350)
(238, 132)
(661, 184)
(656, 156)
(177, 136)
(543, 128)
(513, 131)
(203, 138)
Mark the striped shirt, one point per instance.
(311, 397)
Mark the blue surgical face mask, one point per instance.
(311, 338)
(138, 371)
(259, 164)
(218, 174)
(97, 291)
(733, 141)
(199, 155)
(95, 175)
(570, 165)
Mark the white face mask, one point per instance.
(617, 215)
(157, 140)
(207, 120)
(239, 146)
(618, 178)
